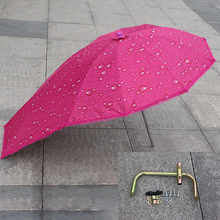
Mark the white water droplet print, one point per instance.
(188, 61)
(166, 96)
(114, 88)
(104, 73)
(180, 63)
(89, 92)
(141, 73)
(101, 66)
(109, 65)
(46, 129)
(142, 88)
(175, 82)
(110, 104)
(85, 107)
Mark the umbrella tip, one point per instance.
(120, 34)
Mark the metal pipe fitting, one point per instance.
(178, 174)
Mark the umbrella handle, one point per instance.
(178, 174)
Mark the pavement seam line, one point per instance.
(42, 185)
(129, 12)
(148, 129)
(197, 124)
(90, 11)
(190, 153)
(47, 40)
(42, 188)
(2, 11)
(166, 14)
(129, 138)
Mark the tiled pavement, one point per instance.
(35, 38)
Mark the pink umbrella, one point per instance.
(118, 74)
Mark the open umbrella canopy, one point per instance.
(118, 74)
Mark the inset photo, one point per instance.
(160, 186)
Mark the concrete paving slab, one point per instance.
(87, 156)
(76, 215)
(205, 109)
(203, 4)
(130, 164)
(23, 168)
(17, 28)
(208, 84)
(67, 16)
(75, 5)
(179, 141)
(25, 198)
(82, 200)
(53, 65)
(163, 21)
(144, 3)
(40, 4)
(23, 73)
(215, 24)
(147, 12)
(177, 4)
(115, 7)
(26, 14)
(107, 29)
(135, 121)
(216, 54)
(182, 14)
(210, 17)
(63, 49)
(139, 139)
(213, 138)
(11, 99)
(170, 115)
(163, 215)
(206, 167)
(18, 215)
(74, 32)
(12, 47)
(116, 123)
(216, 66)
(108, 19)
(213, 40)
(208, 10)
(194, 26)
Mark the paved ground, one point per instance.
(203, 166)
(35, 38)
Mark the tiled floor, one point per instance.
(35, 38)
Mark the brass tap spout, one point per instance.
(178, 174)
